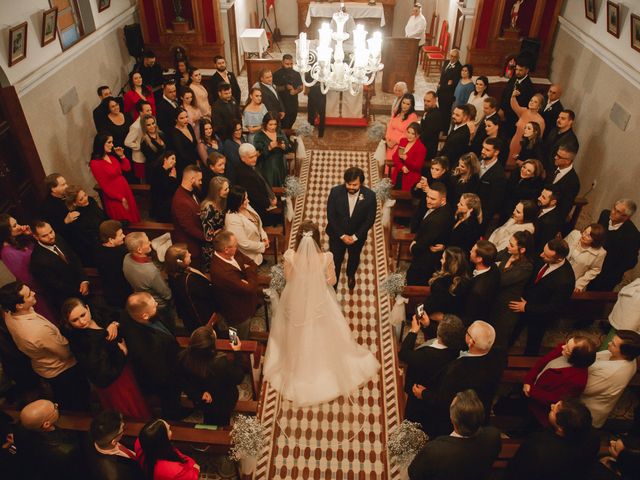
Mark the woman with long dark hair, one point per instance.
(212, 211)
(84, 233)
(272, 144)
(138, 90)
(530, 143)
(107, 164)
(210, 380)
(408, 159)
(522, 218)
(159, 459)
(478, 96)
(245, 223)
(102, 355)
(114, 122)
(525, 183)
(185, 141)
(209, 140)
(404, 116)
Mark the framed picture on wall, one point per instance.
(103, 4)
(17, 43)
(590, 10)
(49, 26)
(635, 32)
(613, 19)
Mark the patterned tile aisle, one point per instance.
(345, 438)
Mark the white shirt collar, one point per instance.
(562, 172)
(230, 262)
(544, 211)
(611, 226)
(553, 266)
(480, 272)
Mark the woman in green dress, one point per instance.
(272, 144)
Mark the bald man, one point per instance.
(478, 368)
(45, 450)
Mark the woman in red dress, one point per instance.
(137, 91)
(408, 159)
(107, 169)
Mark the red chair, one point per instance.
(437, 59)
(433, 28)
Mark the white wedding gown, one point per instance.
(311, 355)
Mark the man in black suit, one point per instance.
(566, 450)
(549, 222)
(151, 72)
(457, 142)
(553, 107)
(493, 182)
(261, 196)
(53, 208)
(288, 84)
(565, 179)
(270, 96)
(434, 228)
(167, 108)
(103, 92)
(425, 362)
(226, 111)
(432, 124)
(548, 291)
(449, 78)
(479, 368)
(111, 253)
(621, 243)
(561, 134)
(468, 452)
(109, 459)
(316, 105)
(56, 267)
(490, 110)
(351, 211)
(222, 75)
(521, 82)
(153, 352)
(485, 283)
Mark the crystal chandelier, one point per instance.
(327, 65)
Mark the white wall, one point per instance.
(287, 11)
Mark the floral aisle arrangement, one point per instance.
(247, 438)
(404, 444)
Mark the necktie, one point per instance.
(555, 174)
(542, 271)
(126, 451)
(60, 254)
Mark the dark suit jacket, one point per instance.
(187, 227)
(546, 298)
(552, 142)
(113, 467)
(361, 220)
(466, 234)
(568, 188)
(194, 297)
(551, 116)
(166, 115)
(456, 144)
(482, 295)
(433, 230)
(225, 114)
(512, 283)
(59, 279)
(258, 188)
(54, 211)
(153, 354)
(547, 227)
(432, 123)
(449, 78)
(270, 100)
(622, 247)
(451, 458)
(186, 150)
(526, 92)
(115, 288)
(216, 79)
(491, 191)
(236, 298)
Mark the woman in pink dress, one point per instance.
(404, 116)
(408, 159)
(202, 96)
(107, 164)
(137, 91)
(525, 115)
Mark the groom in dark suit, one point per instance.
(351, 211)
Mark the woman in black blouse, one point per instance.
(163, 178)
(530, 143)
(153, 143)
(465, 178)
(466, 231)
(102, 355)
(84, 232)
(210, 380)
(525, 183)
(185, 141)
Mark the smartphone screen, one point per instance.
(419, 311)
(233, 336)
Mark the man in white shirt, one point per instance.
(134, 137)
(416, 25)
(610, 374)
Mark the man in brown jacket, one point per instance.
(185, 213)
(234, 277)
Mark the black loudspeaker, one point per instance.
(133, 39)
(531, 48)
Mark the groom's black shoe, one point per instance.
(351, 283)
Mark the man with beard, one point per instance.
(222, 75)
(288, 84)
(561, 134)
(521, 82)
(493, 182)
(185, 213)
(270, 96)
(226, 111)
(457, 142)
(432, 124)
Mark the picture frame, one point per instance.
(17, 43)
(613, 18)
(590, 10)
(635, 32)
(49, 26)
(103, 5)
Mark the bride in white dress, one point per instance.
(311, 355)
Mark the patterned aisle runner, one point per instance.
(345, 438)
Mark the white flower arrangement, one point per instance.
(394, 283)
(377, 131)
(278, 281)
(293, 187)
(383, 190)
(406, 441)
(304, 130)
(247, 437)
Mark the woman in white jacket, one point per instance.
(522, 218)
(245, 223)
(586, 254)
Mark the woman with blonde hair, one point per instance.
(525, 115)
(310, 342)
(466, 177)
(467, 229)
(524, 184)
(212, 212)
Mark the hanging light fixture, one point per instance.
(327, 64)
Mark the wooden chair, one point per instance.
(426, 49)
(431, 34)
(435, 60)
